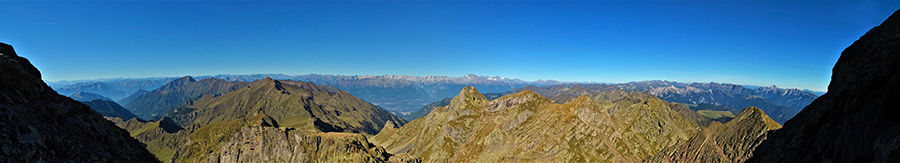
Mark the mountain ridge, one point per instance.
(42, 126)
(526, 126)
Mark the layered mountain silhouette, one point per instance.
(857, 120)
(109, 109)
(87, 96)
(153, 104)
(398, 93)
(264, 120)
(39, 125)
(113, 88)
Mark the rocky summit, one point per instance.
(39, 125)
(612, 126)
(857, 120)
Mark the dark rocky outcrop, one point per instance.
(858, 119)
(39, 125)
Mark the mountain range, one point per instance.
(782, 104)
(404, 95)
(396, 93)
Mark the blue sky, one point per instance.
(790, 44)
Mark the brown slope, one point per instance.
(730, 142)
(527, 127)
(857, 120)
(39, 125)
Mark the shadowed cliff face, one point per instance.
(858, 119)
(39, 125)
(527, 127)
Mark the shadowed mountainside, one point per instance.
(39, 125)
(857, 120)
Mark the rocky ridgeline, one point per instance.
(39, 125)
(613, 126)
(733, 141)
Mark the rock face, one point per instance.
(39, 125)
(109, 109)
(613, 126)
(732, 142)
(857, 120)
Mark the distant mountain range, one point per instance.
(396, 93)
(113, 88)
(781, 104)
(406, 94)
(86, 96)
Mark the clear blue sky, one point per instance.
(785, 43)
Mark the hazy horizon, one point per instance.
(789, 44)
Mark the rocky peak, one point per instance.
(468, 96)
(178, 82)
(9, 55)
(754, 114)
